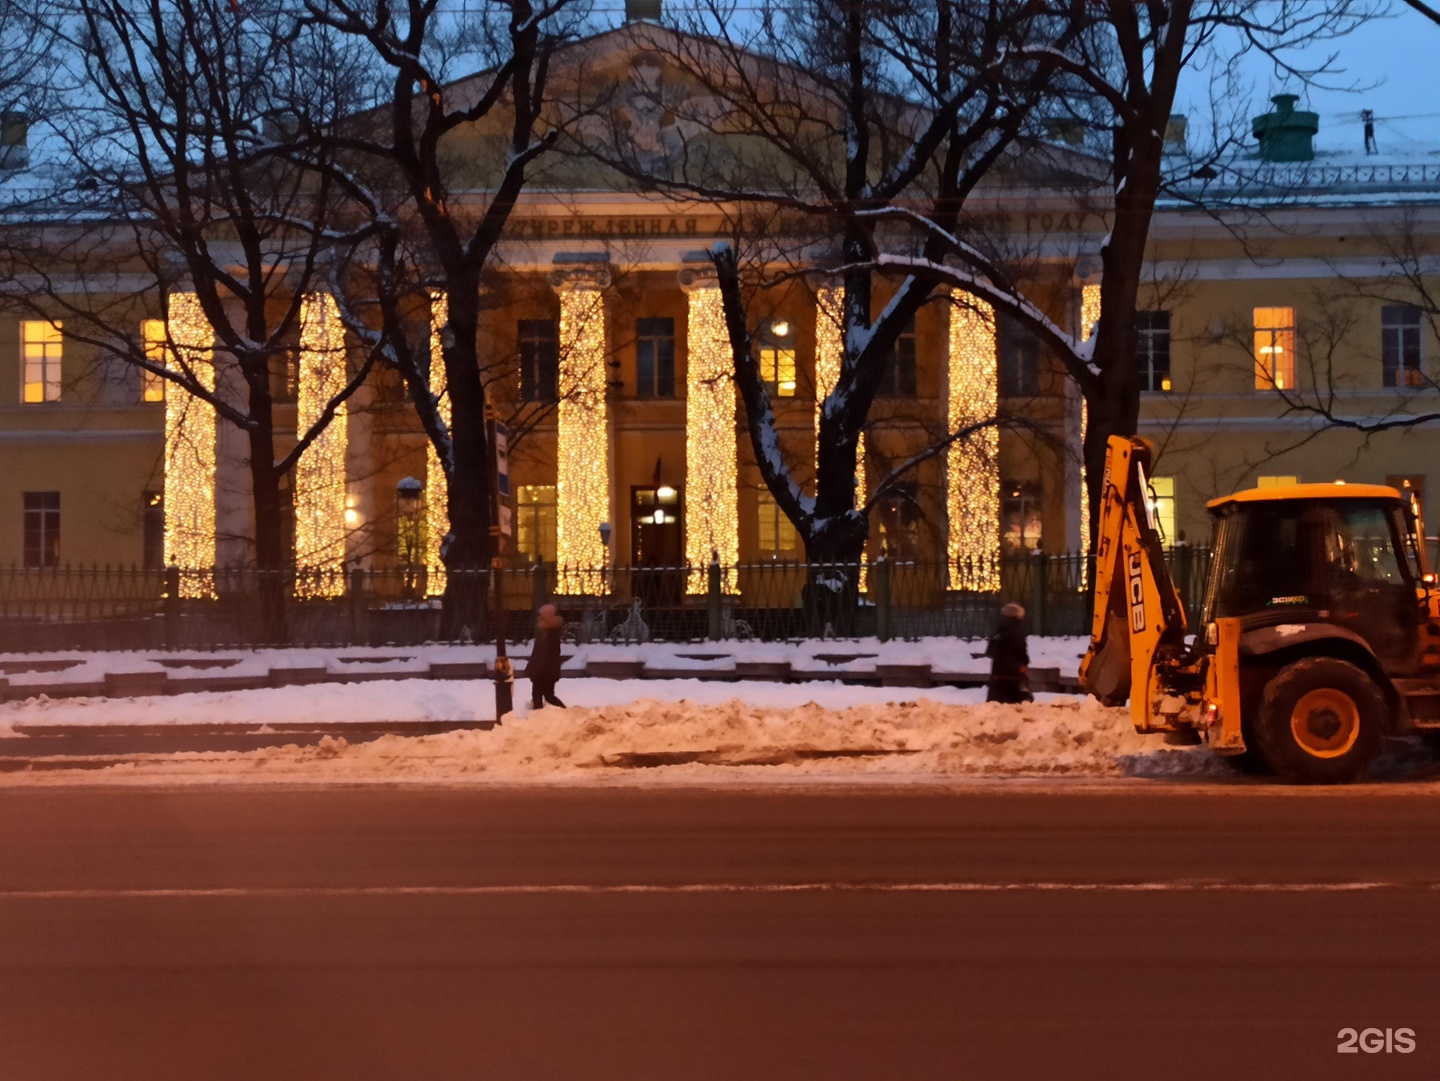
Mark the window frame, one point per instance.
(155, 342)
(40, 530)
(1017, 359)
(659, 382)
(536, 518)
(779, 528)
(1397, 340)
(897, 374)
(1274, 335)
(49, 342)
(539, 354)
(1152, 341)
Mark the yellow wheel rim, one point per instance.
(1325, 723)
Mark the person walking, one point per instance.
(1009, 658)
(544, 667)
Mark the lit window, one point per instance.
(1162, 506)
(1020, 518)
(1275, 482)
(42, 529)
(777, 537)
(152, 335)
(777, 368)
(899, 517)
(1274, 348)
(1400, 345)
(535, 522)
(1152, 350)
(40, 348)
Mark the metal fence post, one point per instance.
(714, 611)
(172, 607)
(1039, 590)
(357, 607)
(880, 587)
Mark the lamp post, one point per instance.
(408, 501)
(605, 559)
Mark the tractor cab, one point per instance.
(1320, 561)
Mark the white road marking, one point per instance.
(285, 892)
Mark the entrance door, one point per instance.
(657, 545)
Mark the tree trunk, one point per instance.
(467, 555)
(271, 559)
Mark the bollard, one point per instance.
(880, 591)
(1039, 590)
(714, 603)
(172, 607)
(357, 607)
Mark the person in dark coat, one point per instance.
(544, 667)
(1009, 658)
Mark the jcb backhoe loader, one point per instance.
(1319, 633)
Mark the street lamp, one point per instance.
(409, 501)
(605, 559)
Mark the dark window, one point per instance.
(539, 359)
(1020, 516)
(1400, 345)
(285, 378)
(897, 380)
(42, 529)
(152, 511)
(1152, 350)
(1019, 360)
(655, 358)
(899, 520)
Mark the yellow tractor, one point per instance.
(1319, 633)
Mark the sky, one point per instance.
(1395, 65)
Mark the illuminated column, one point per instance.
(1089, 319)
(972, 465)
(582, 437)
(437, 487)
(190, 450)
(320, 471)
(711, 501)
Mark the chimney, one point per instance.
(1175, 129)
(1065, 129)
(14, 140)
(1287, 134)
(642, 11)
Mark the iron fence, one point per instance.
(76, 607)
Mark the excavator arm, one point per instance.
(1138, 613)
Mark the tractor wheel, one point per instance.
(1321, 721)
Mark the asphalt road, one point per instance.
(998, 932)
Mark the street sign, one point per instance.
(507, 521)
(502, 460)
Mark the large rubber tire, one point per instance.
(1322, 721)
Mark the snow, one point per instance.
(946, 657)
(663, 731)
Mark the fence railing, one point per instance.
(77, 607)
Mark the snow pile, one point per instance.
(660, 742)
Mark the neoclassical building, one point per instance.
(606, 353)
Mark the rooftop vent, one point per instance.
(14, 140)
(1286, 134)
(646, 10)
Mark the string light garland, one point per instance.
(1089, 321)
(711, 496)
(437, 486)
(582, 481)
(190, 450)
(972, 465)
(320, 471)
(829, 355)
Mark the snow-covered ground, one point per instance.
(946, 656)
(656, 731)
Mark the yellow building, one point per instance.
(1252, 319)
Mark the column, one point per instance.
(437, 486)
(1089, 320)
(320, 471)
(711, 498)
(190, 449)
(582, 436)
(972, 465)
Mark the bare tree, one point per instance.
(188, 132)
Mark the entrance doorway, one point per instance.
(657, 553)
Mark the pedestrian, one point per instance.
(544, 666)
(1009, 658)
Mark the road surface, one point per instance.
(1006, 931)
